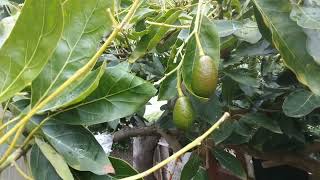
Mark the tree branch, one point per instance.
(297, 160)
(311, 148)
(134, 132)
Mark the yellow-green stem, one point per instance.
(191, 145)
(197, 28)
(179, 82)
(30, 135)
(20, 171)
(168, 25)
(86, 68)
(12, 145)
(8, 123)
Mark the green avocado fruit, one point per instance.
(183, 113)
(204, 77)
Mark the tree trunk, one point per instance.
(143, 150)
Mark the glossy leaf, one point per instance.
(308, 17)
(230, 163)
(85, 25)
(168, 88)
(191, 167)
(290, 40)
(55, 159)
(300, 103)
(41, 168)
(261, 48)
(155, 34)
(245, 30)
(77, 91)
(261, 120)
(119, 94)
(224, 131)
(24, 56)
(210, 42)
(122, 170)
(78, 147)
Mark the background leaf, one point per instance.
(23, 56)
(230, 163)
(308, 17)
(261, 120)
(155, 34)
(300, 103)
(290, 40)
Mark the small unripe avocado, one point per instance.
(183, 114)
(204, 77)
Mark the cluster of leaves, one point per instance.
(266, 52)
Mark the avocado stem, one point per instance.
(179, 82)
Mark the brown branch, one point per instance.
(311, 148)
(134, 132)
(297, 160)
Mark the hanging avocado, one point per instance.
(204, 77)
(183, 114)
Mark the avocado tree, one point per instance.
(234, 77)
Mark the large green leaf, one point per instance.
(55, 159)
(300, 103)
(290, 40)
(210, 42)
(230, 163)
(245, 30)
(86, 23)
(168, 88)
(122, 170)
(24, 54)
(155, 34)
(41, 168)
(78, 147)
(119, 94)
(78, 91)
(308, 17)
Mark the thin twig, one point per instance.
(168, 25)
